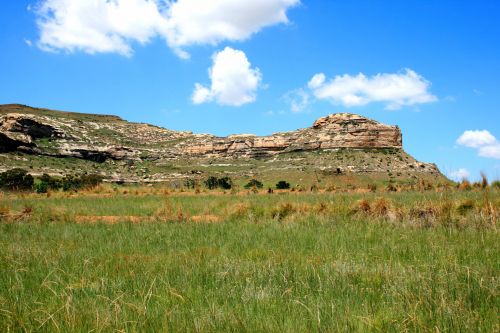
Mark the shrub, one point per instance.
(254, 183)
(282, 185)
(71, 182)
(213, 182)
(16, 180)
(91, 180)
(191, 183)
(41, 187)
(362, 206)
(282, 211)
(381, 207)
(49, 183)
(465, 206)
(225, 183)
(496, 184)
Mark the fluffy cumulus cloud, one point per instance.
(476, 139)
(98, 26)
(459, 174)
(395, 90)
(233, 81)
(486, 144)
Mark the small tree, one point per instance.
(71, 182)
(90, 181)
(226, 183)
(191, 183)
(16, 180)
(282, 185)
(212, 183)
(41, 187)
(49, 182)
(254, 183)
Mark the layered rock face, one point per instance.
(121, 140)
(60, 142)
(342, 130)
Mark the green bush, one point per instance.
(49, 182)
(254, 183)
(91, 180)
(16, 180)
(282, 185)
(74, 183)
(225, 183)
(191, 183)
(41, 187)
(213, 182)
(70, 182)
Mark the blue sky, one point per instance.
(430, 67)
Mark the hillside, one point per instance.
(57, 143)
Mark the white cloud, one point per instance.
(492, 151)
(99, 26)
(476, 139)
(396, 90)
(234, 82)
(317, 81)
(487, 145)
(459, 174)
(299, 100)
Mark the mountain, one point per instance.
(57, 143)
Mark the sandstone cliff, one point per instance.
(101, 138)
(87, 140)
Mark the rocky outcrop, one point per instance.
(120, 140)
(137, 152)
(30, 126)
(340, 130)
(20, 132)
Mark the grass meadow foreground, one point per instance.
(151, 259)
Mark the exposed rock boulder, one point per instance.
(20, 130)
(31, 126)
(96, 154)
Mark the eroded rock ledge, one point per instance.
(21, 132)
(340, 130)
(101, 141)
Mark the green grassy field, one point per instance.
(149, 259)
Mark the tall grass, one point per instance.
(281, 262)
